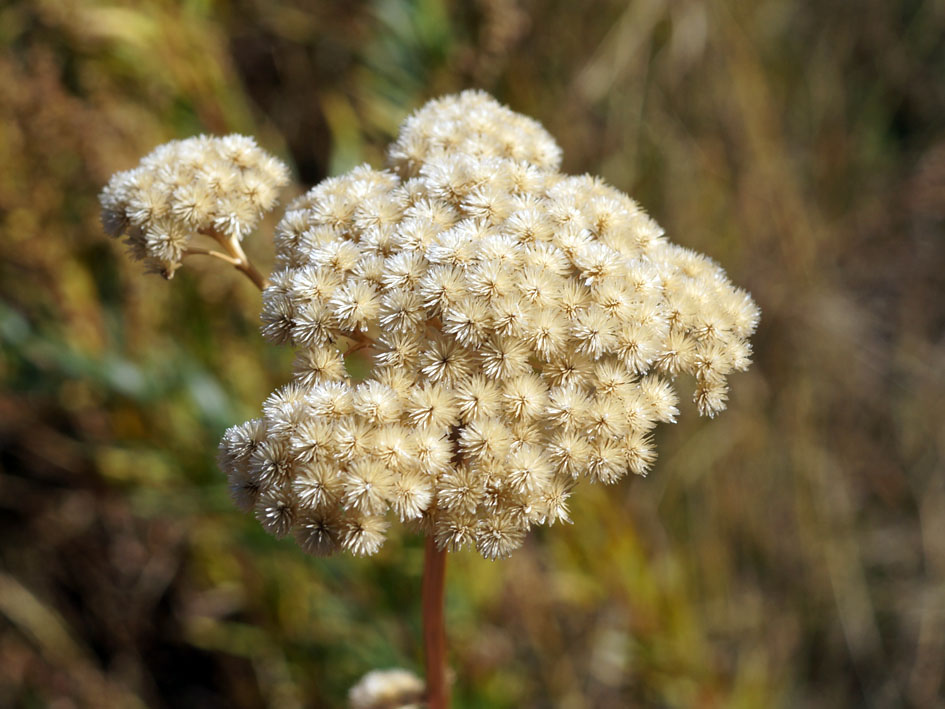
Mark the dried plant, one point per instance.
(525, 329)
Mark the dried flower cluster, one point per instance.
(525, 328)
(219, 187)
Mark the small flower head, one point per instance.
(185, 187)
(384, 689)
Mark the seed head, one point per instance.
(199, 185)
(526, 328)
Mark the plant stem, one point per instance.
(246, 266)
(235, 256)
(198, 251)
(434, 629)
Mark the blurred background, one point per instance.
(789, 553)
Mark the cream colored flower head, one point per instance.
(203, 185)
(387, 689)
(525, 329)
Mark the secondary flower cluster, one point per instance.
(218, 187)
(525, 327)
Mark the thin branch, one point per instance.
(361, 342)
(197, 251)
(246, 266)
(236, 257)
(358, 347)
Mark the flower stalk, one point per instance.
(235, 256)
(434, 627)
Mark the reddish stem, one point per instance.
(434, 629)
